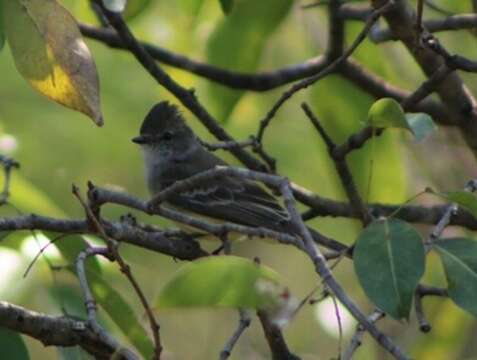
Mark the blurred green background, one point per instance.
(58, 147)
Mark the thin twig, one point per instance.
(126, 270)
(322, 269)
(244, 323)
(186, 96)
(451, 210)
(8, 165)
(90, 303)
(330, 68)
(357, 338)
(342, 168)
(424, 325)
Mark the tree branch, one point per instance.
(454, 94)
(263, 81)
(56, 330)
(275, 339)
(185, 96)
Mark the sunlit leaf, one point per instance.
(121, 313)
(226, 281)
(237, 44)
(421, 125)
(51, 55)
(459, 257)
(465, 199)
(226, 6)
(12, 345)
(387, 112)
(389, 260)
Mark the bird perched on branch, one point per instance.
(173, 152)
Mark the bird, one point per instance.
(172, 152)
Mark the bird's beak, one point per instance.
(141, 139)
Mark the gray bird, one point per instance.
(172, 152)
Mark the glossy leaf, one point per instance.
(237, 44)
(389, 260)
(121, 313)
(387, 113)
(12, 345)
(465, 199)
(51, 55)
(226, 6)
(225, 281)
(115, 5)
(459, 258)
(421, 125)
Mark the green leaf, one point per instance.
(421, 125)
(237, 44)
(459, 258)
(135, 8)
(2, 29)
(114, 5)
(226, 6)
(387, 113)
(49, 52)
(389, 259)
(12, 345)
(464, 199)
(226, 281)
(121, 313)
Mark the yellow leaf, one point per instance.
(50, 53)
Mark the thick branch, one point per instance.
(183, 248)
(455, 22)
(430, 215)
(452, 91)
(275, 339)
(55, 330)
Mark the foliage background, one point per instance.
(58, 147)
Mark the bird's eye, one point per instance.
(167, 136)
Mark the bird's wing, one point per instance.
(241, 202)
